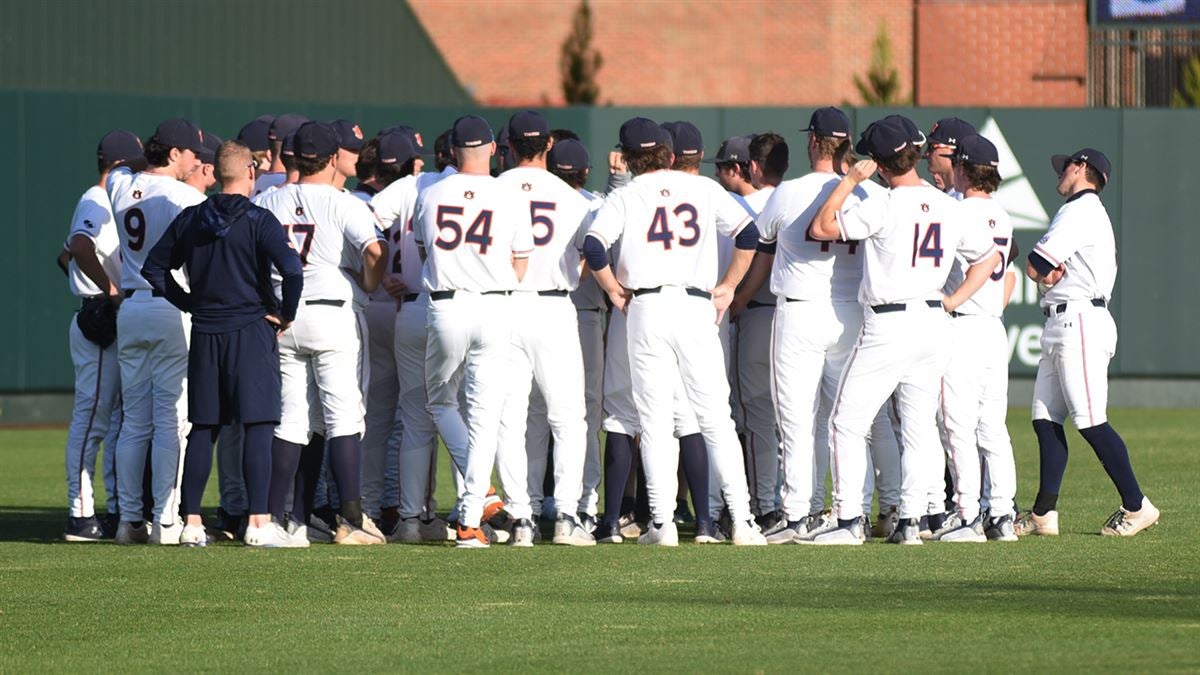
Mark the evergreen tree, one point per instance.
(1188, 94)
(882, 85)
(580, 61)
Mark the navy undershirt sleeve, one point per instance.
(594, 253)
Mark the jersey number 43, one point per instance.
(660, 227)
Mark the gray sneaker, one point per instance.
(851, 534)
(950, 523)
(908, 532)
(787, 532)
(569, 532)
(522, 534)
(971, 532)
(1001, 529)
(408, 531)
(814, 525)
(318, 531)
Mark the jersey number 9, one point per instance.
(135, 228)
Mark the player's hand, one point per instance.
(1054, 276)
(722, 298)
(394, 286)
(740, 302)
(620, 299)
(616, 162)
(947, 304)
(116, 298)
(862, 170)
(279, 324)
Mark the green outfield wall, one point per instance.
(1153, 199)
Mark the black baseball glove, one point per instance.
(97, 320)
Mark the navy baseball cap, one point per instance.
(568, 155)
(288, 145)
(829, 122)
(735, 149)
(179, 133)
(350, 135)
(885, 139)
(471, 131)
(254, 135)
(315, 139)
(915, 135)
(1090, 156)
(285, 124)
(208, 154)
(640, 133)
(396, 148)
(119, 146)
(268, 118)
(685, 138)
(950, 130)
(975, 149)
(528, 124)
(413, 135)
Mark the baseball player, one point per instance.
(255, 135)
(666, 268)
(276, 175)
(94, 275)
(751, 338)
(545, 341)
(152, 335)
(233, 362)
(904, 235)
(475, 237)
(205, 177)
(323, 223)
(975, 385)
(941, 140)
(568, 159)
(817, 318)
(1075, 265)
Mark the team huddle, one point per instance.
(739, 341)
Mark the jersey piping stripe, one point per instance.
(1087, 386)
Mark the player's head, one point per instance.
(281, 126)
(688, 145)
(206, 176)
(368, 158)
(828, 135)
(254, 136)
(397, 157)
(174, 145)
(503, 154)
(768, 159)
(895, 143)
(558, 135)
(644, 145)
(316, 146)
(442, 154)
(569, 160)
(944, 137)
(473, 144)
(235, 167)
(1086, 169)
(118, 147)
(528, 136)
(287, 153)
(350, 143)
(733, 163)
(976, 164)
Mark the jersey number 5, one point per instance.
(135, 228)
(660, 228)
(930, 245)
(539, 219)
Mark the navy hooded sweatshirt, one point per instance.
(229, 246)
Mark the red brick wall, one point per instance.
(1001, 52)
(657, 52)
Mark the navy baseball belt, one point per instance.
(754, 304)
(694, 292)
(555, 293)
(1055, 310)
(327, 303)
(411, 297)
(900, 306)
(446, 295)
(128, 292)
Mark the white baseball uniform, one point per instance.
(152, 347)
(267, 181)
(975, 385)
(908, 238)
(545, 347)
(667, 223)
(325, 225)
(1080, 336)
(96, 415)
(470, 227)
(817, 318)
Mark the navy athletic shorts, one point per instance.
(234, 377)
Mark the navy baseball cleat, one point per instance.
(683, 515)
(908, 532)
(83, 530)
(608, 533)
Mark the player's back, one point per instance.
(93, 218)
(325, 225)
(557, 212)
(989, 217)
(806, 268)
(144, 204)
(668, 222)
(467, 224)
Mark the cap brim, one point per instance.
(1059, 162)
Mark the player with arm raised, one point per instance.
(905, 235)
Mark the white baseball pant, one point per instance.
(1072, 375)
(152, 348)
(418, 441)
(325, 339)
(381, 440)
(97, 396)
(620, 410)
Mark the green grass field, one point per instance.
(1078, 602)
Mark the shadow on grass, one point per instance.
(32, 524)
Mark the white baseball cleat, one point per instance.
(851, 534)
(1032, 523)
(350, 535)
(1001, 529)
(522, 534)
(193, 535)
(570, 532)
(133, 533)
(660, 534)
(166, 535)
(971, 533)
(271, 535)
(788, 533)
(908, 533)
(815, 524)
(747, 533)
(1128, 523)
(950, 523)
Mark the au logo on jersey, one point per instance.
(992, 223)
(665, 192)
(527, 186)
(89, 224)
(924, 208)
(137, 194)
(469, 194)
(300, 211)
